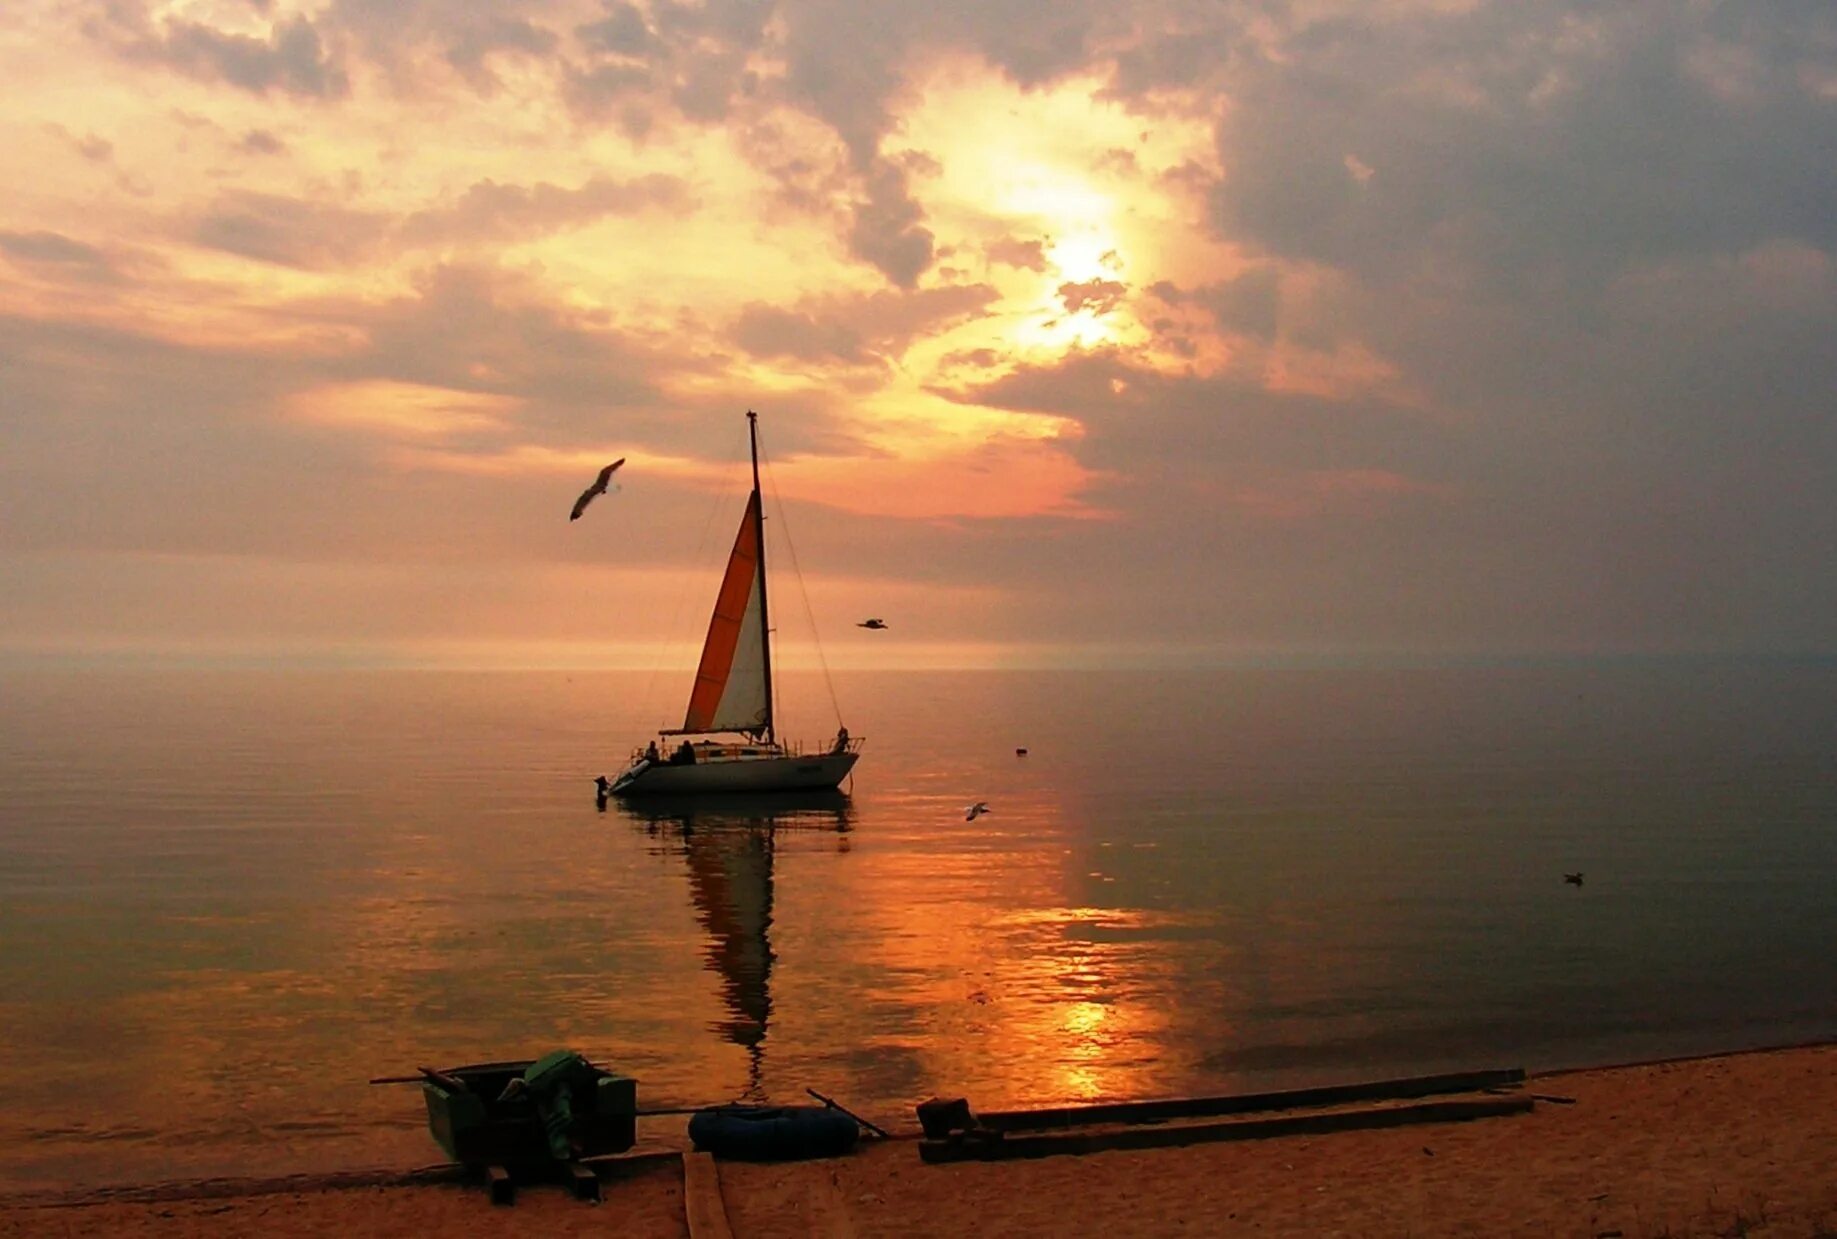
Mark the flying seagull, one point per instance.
(872, 623)
(1574, 879)
(598, 488)
(976, 810)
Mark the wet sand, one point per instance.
(1743, 1144)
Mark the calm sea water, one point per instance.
(228, 899)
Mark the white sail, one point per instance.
(730, 692)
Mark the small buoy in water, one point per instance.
(1020, 752)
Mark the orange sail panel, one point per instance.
(729, 693)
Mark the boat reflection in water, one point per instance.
(730, 844)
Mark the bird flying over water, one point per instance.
(976, 810)
(872, 623)
(1574, 879)
(598, 488)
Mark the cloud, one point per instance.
(471, 328)
(291, 59)
(846, 60)
(1525, 137)
(493, 35)
(887, 231)
(623, 32)
(90, 146)
(860, 329)
(766, 331)
(261, 142)
(1246, 303)
(54, 255)
(1014, 252)
(290, 232)
(1097, 296)
(489, 211)
(315, 235)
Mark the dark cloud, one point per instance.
(808, 182)
(315, 235)
(1014, 252)
(490, 211)
(1143, 424)
(888, 231)
(857, 330)
(846, 59)
(1097, 296)
(622, 32)
(1353, 524)
(619, 91)
(766, 331)
(692, 59)
(1245, 304)
(55, 255)
(290, 232)
(472, 328)
(293, 59)
(261, 142)
(1522, 137)
(97, 149)
(494, 35)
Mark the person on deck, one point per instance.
(841, 740)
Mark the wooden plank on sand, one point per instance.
(701, 1198)
(1245, 1103)
(1002, 1148)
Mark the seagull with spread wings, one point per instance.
(598, 488)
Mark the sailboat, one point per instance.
(732, 695)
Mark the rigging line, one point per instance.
(798, 572)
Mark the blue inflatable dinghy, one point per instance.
(773, 1133)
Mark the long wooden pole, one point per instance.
(1244, 1103)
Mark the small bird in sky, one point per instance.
(598, 488)
(1574, 879)
(872, 623)
(976, 810)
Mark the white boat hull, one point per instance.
(765, 773)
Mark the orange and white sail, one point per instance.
(730, 692)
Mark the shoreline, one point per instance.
(1732, 1142)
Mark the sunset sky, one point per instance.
(1081, 333)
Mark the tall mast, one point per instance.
(765, 623)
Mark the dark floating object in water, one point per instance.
(1020, 752)
(773, 1133)
(1574, 879)
(872, 623)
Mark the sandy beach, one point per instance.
(1743, 1144)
